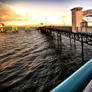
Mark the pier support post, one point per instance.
(70, 38)
(82, 49)
(61, 41)
(74, 41)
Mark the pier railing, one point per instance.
(77, 81)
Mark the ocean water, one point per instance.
(33, 62)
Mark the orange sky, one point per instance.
(34, 16)
(31, 13)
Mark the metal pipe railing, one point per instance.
(77, 80)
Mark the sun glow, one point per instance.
(34, 16)
(19, 11)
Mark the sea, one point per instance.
(31, 61)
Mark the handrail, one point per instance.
(77, 80)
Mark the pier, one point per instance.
(78, 32)
(78, 36)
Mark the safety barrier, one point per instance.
(77, 80)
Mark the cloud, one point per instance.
(7, 14)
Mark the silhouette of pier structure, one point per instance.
(65, 31)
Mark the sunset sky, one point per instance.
(33, 12)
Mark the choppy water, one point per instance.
(29, 62)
